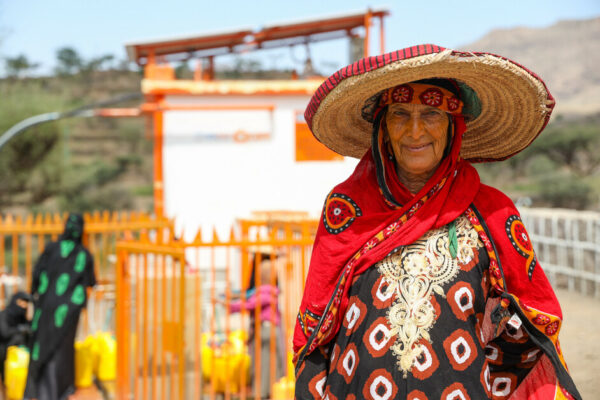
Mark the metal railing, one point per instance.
(567, 244)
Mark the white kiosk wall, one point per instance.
(211, 179)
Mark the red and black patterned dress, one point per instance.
(418, 326)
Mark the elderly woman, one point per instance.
(423, 282)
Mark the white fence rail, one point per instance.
(567, 244)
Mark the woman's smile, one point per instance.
(415, 148)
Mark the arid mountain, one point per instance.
(566, 55)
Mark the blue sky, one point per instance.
(38, 28)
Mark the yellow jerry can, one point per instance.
(283, 389)
(107, 357)
(84, 363)
(224, 362)
(15, 372)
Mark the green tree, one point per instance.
(30, 149)
(17, 67)
(68, 61)
(571, 144)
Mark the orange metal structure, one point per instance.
(174, 319)
(160, 78)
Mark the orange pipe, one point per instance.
(158, 161)
(367, 32)
(381, 36)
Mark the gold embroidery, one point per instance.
(413, 274)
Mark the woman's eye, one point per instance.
(401, 113)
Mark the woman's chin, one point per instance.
(418, 168)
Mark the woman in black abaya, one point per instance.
(61, 277)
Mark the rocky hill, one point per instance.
(566, 55)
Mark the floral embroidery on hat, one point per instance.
(402, 94)
(432, 97)
(453, 103)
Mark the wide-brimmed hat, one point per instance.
(514, 103)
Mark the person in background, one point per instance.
(61, 278)
(15, 325)
(264, 295)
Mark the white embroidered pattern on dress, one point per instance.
(413, 274)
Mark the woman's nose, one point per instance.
(415, 127)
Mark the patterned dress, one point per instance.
(416, 328)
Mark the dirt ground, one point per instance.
(580, 341)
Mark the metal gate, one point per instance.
(189, 324)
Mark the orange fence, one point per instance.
(22, 240)
(193, 320)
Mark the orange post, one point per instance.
(155, 329)
(180, 336)
(122, 308)
(145, 327)
(15, 256)
(137, 329)
(158, 160)
(28, 261)
(368, 17)
(381, 36)
(164, 338)
(174, 323)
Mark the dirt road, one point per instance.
(580, 341)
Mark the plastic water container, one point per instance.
(15, 372)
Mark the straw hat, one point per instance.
(515, 104)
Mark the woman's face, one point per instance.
(418, 135)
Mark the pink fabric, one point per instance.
(266, 297)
